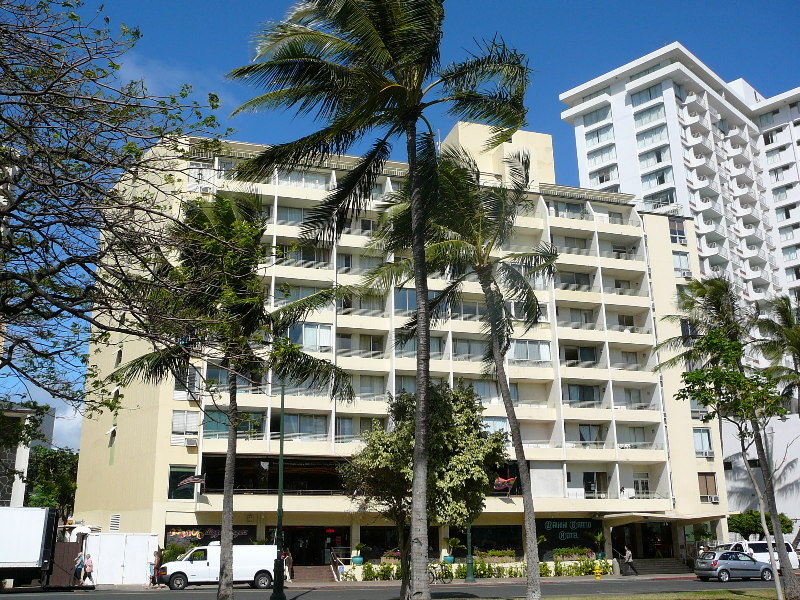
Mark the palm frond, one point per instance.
(153, 367)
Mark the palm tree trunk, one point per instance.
(405, 560)
(791, 586)
(763, 511)
(420, 590)
(225, 588)
(533, 590)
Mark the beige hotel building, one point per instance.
(608, 447)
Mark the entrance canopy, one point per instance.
(617, 519)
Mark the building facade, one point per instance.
(668, 129)
(608, 446)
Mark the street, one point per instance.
(551, 589)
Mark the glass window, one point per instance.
(654, 157)
(603, 175)
(767, 119)
(773, 156)
(790, 253)
(601, 156)
(649, 115)
(708, 486)
(530, 350)
(652, 136)
(646, 71)
(779, 194)
(660, 177)
(312, 337)
(175, 491)
(369, 423)
(702, 440)
(633, 395)
(599, 135)
(597, 93)
(660, 199)
(405, 299)
(680, 260)
(601, 114)
(370, 385)
(468, 347)
(406, 383)
(344, 427)
(646, 95)
(184, 422)
(495, 424)
(677, 231)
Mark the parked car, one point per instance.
(759, 551)
(725, 564)
(251, 564)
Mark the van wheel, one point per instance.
(766, 575)
(177, 581)
(724, 576)
(262, 581)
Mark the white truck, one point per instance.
(252, 564)
(27, 543)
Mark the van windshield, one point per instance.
(759, 547)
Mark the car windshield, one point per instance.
(185, 554)
(708, 556)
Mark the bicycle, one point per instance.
(439, 573)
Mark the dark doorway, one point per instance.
(312, 545)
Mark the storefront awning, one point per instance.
(616, 519)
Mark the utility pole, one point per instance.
(277, 585)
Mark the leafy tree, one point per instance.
(466, 233)
(373, 68)
(748, 400)
(464, 459)
(780, 338)
(70, 128)
(748, 523)
(52, 479)
(220, 310)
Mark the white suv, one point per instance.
(759, 551)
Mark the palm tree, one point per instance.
(466, 233)
(780, 338)
(220, 311)
(373, 68)
(711, 307)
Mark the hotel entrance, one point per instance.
(311, 546)
(646, 540)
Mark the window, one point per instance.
(582, 393)
(625, 320)
(767, 119)
(787, 233)
(660, 177)
(647, 71)
(646, 95)
(312, 337)
(405, 299)
(369, 423)
(664, 198)
(630, 358)
(305, 254)
(529, 350)
(781, 193)
(570, 278)
(291, 214)
(770, 137)
(294, 292)
(495, 424)
(790, 253)
(184, 422)
(778, 174)
(410, 347)
(590, 433)
(652, 136)
(601, 114)
(580, 354)
(708, 487)
(406, 383)
(370, 386)
(604, 155)
(468, 348)
(344, 428)
(641, 484)
(599, 135)
(314, 181)
(580, 315)
(649, 115)
(603, 175)
(633, 396)
(702, 442)
(216, 425)
(616, 217)
(677, 231)
(304, 425)
(575, 242)
(774, 156)
(370, 343)
(175, 491)
(784, 212)
(654, 157)
(597, 93)
(680, 260)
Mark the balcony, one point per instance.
(582, 215)
(701, 143)
(640, 446)
(632, 291)
(621, 255)
(703, 185)
(360, 353)
(702, 164)
(572, 403)
(574, 251)
(738, 135)
(706, 204)
(583, 364)
(594, 445)
(697, 121)
(305, 264)
(578, 325)
(629, 329)
(695, 101)
(300, 437)
(631, 405)
(576, 287)
(746, 193)
(363, 312)
(628, 366)
(528, 362)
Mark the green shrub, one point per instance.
(572, 553)
(173, 551)
(385, 572)
(349, 575)
(544, 570)
(461, 571)
(558, 568)
(369, 573)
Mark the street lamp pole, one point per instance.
(277, 584)
(470, 578)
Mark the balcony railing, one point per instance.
(621, 255)
(597, 445)
(569, 214)
(361, 353)
(644, 405)
(628, 328)
(541, 444)
(575, 287)
(571, 250)
(640, 446)
(364, 312)
(584, 403)
(306, 264)
(300, 437)
(240, 435)
(529, 362)
(626, 366)
(583, 364)
(624, 291)
(413, 354)
(469, 357)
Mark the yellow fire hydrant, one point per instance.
(597, 572)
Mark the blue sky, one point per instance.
(567, 42)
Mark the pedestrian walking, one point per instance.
(152, 576)
(88, 569)
(629, 561)
(288, 565)
(77, 576)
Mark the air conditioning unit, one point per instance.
(686, 273)
(190, 442)
(714, 499)
(705, 454)
(205, 189)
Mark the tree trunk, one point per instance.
(420, 590)
(791, 586)
(405, 560)
(763, 511)
(225, 588)
(533, 590)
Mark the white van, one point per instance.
(760, 552)
(252, 564)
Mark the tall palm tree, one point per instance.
(713, 307)
(466, 233)
(217, 306)
(780, 339)
(373, 68)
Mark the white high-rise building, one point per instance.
(669, 130)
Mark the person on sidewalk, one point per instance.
(77, 576)
(88, 569)
(629, 561)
